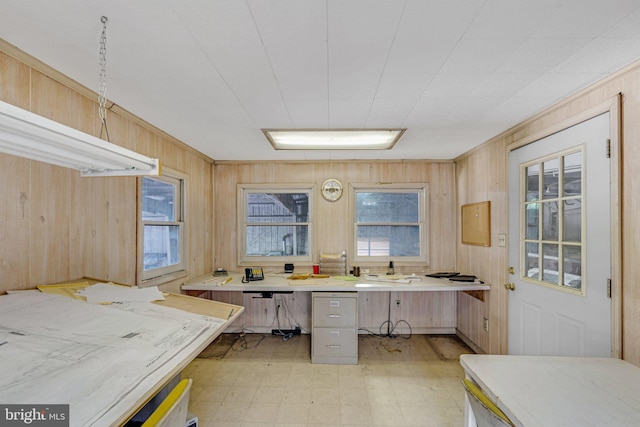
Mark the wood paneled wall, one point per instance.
(429, 311)
(332, 224)
(57, 226)
(482, 176)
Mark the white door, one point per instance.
(560, 243)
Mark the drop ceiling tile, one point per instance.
(585, 18)
(366, 20)
(297, 57)
(349, 112)
(308, 107)
(290, 20)
(453, 85)
(475, 55)
(503, 85)
(437, 20)
(539, 55)
(600, 56)
(217, 22)
(415, 56)
(390, 112)
(550, 85)
(508, 18)
(403, 85)
(628, 27)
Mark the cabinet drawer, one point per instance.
(334, 312)
(334, 342)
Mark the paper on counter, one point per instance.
(104, 292)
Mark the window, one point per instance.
(276, 223)
(161, 228)
(552, 205)
(390, 222)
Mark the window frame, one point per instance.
(243, 190)
(168, 273)
(422, 189)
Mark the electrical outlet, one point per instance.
(278, 301)
(397, 304)
(485, 324)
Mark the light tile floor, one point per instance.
(397, 382)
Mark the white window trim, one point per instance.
(242, 191)
(164, 274)
(423, 192)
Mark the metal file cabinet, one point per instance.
(334, 336)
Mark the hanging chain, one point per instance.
(102, 89)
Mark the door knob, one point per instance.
(510, 286)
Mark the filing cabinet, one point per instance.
(334, 335)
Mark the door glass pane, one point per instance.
(550, 263)
(533, 179)
(550, 221)
(572, 266)
(551, 171)
(573, 174)
(531, 220)
(572, 220)
(533, 259)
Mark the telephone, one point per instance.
(252, 274)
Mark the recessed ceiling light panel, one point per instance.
(333, 139)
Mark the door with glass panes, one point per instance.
(560, 243)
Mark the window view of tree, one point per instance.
(277, 224)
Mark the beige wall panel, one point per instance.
(15, 222)
(50, 214)
(14, 82)
(260, 313)
(425, 310)
(631, 219)
(373, 310)
(481, 177)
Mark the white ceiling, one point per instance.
(213, 73)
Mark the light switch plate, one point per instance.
(502, 240)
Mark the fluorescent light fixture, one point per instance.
(333, 139)
(25, 134)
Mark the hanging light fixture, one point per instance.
(28, 135)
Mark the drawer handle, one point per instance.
(334, 346)
(335, 316)
(334, 303)
(335, 332)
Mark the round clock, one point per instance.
(331, 189)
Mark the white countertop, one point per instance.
(542, 391)
(275, 282)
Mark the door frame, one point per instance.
(614, 107)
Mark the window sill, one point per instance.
(161, 280)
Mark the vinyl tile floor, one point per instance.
(265, 381)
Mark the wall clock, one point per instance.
(331, 189)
